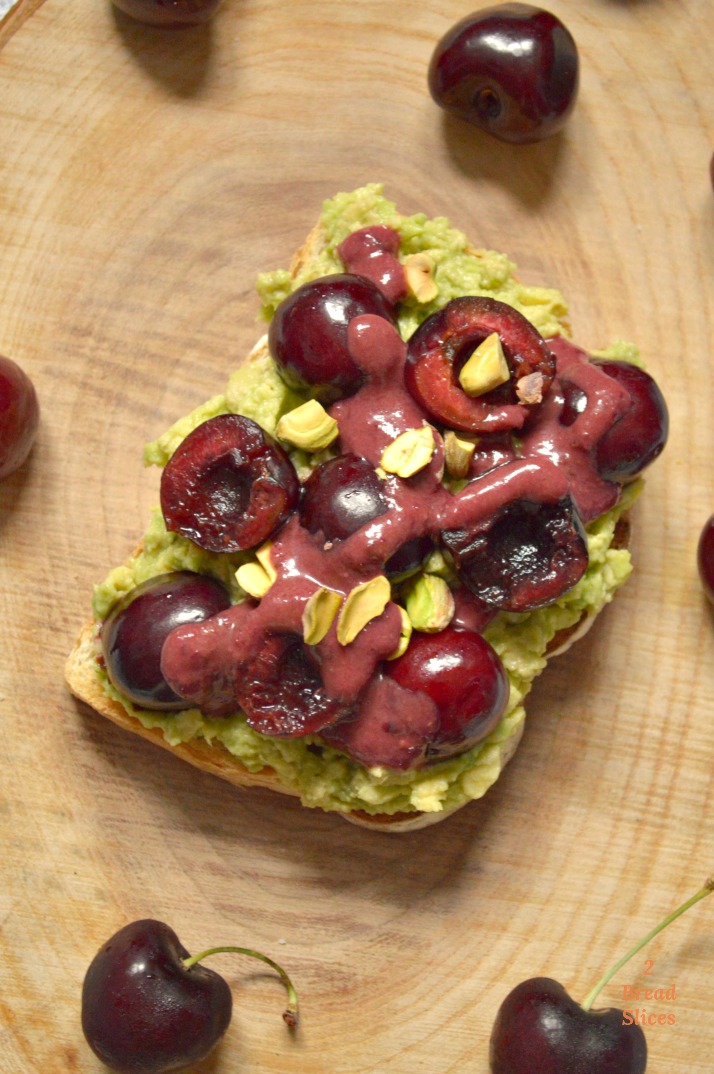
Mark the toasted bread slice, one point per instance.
(86, 677)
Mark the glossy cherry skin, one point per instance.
(134, 632)
(19, 416)
(638, 437)
(344, 494)
(705, 558)
(308, 334)
(171, 14)
(539, 1029)
(228, 486)
(511, 69)
(143, 1012)
(465, 679)
(442, 343)
(526, 556)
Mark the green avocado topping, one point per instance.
(322, 776)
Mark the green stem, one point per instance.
(594, 992)
(291, 1015)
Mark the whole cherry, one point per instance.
(149, 1008)
(705, 557)
(170, 14)
(511, 69)
(19, 416)
(540, 1028)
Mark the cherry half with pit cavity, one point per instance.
(228, 486)
(524, 557)
(148, 1007)
(511, 70)
(442, 344)
(540, 1029)
(705, 558)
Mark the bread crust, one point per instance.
(81, 674)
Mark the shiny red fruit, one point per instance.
(143, 1012)
(443, 342)
(171, 14)
(463, 676)
(539, 1029)
(19, 416)
(511, 69)
(134, 632)
(705, 558)
(638, 437)
(228, 486)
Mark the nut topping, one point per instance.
(486, 368)
(308, 426)
(365, 602)
(410, 452)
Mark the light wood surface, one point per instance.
(146, 177)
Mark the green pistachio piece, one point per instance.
(409, 452)
(308, 427)
(362, 604)
(487, 367)
(404, 634)
(429, 603)
(419, 273)
(458, 453)
(257, 576)
(318, 614)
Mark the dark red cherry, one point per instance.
(228, 486)
(308, 334)
(170, 14)
(134, 632)
(511, 70)
(525, 557)
(340, 496)
(344, 494)
(19, 416)
(705, 558)
(281, 689)
(143, 1011)
(443, 342)
(539, 1029)
(464, 677)
(636, 438)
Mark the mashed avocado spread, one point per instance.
(323, 777)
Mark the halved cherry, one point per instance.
(281, 689)
(444, 341)
(228, 486)
(526, 556)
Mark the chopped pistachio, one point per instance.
(429, 603)
(419, 273)
(404, 634)
(256, 578)
(308, 427)
(409, 452)
(365, 602)
(486, 368)
(318, 614)
(458, 453)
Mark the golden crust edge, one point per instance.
(214, 758)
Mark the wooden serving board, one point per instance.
(146, 177)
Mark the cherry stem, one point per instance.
(291, 1015)
(594, 992)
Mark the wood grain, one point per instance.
(145, 179)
